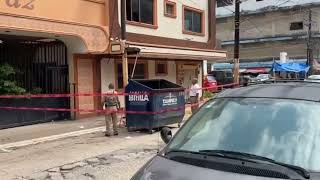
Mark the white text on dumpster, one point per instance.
(139, 97)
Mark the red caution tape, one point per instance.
(29, 96)
(99, 110)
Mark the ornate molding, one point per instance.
(94, 37)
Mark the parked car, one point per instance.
(210, 83)
(313, 78)
(245, 80)
(262, 77)
(261, 132)
(222, 77)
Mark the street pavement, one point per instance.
(84, 156)
(118, 165)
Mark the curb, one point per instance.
(5, 147)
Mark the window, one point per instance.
(296, 26)
(223, 3)
(141, 11)
(193, 21)
(170, 9)
(139, 73)
(161, 68)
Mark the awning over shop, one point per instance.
(290, 67)
(176, 53)
(257, 70)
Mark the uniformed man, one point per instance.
(111, 105)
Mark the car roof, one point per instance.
(309, 91)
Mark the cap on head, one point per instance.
(111, 86)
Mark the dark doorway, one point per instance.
(41, 67)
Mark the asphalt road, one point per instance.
(91, 156)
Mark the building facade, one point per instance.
(72, 46)
(53, 46)
(174, 38)
(270, 27)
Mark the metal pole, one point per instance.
(74, 100)
(123, 20)
(236, 42)
(309, 46)
(123, 39)
(134, 66)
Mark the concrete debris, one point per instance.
(57, 169)
(69, 167)
(93, 160)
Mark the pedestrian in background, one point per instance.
(111, 103)
(195, 94)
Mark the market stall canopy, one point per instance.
(290, 67)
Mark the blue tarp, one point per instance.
(257, 64)
(290, 67)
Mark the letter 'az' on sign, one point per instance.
(24, 4)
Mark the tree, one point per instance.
(8, 86)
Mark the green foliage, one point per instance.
(208, 95)
(7, 86)
(36, 90)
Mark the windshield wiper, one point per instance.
(303, 172)
(229, 156)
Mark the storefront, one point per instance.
(178, 65)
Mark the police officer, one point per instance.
(111, 105)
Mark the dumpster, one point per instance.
(153, 103)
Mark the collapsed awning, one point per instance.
(178, 53)
(290, 67)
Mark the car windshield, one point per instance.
(287, 131)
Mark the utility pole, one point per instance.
(236, 62)
(309, 44)
(123, 42)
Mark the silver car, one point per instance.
(258, 132)
(263, 77)
(313, 78)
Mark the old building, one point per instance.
(51, 45)
(174, 38)
(62, 47)
(269, 27)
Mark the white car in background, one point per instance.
(313, 78)
(262, 77)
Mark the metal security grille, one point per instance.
(42, 68)
(39, 65)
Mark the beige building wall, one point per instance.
(172, 71)
(271, 50)
(79, 11)
(172, 27)
(269, 25)
(85, 85)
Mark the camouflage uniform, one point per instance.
(111, 103)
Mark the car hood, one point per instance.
(160, 168)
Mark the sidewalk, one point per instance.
(48, 129)
(40, 133)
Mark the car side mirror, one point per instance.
(166, 134)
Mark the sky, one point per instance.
(252, 5)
